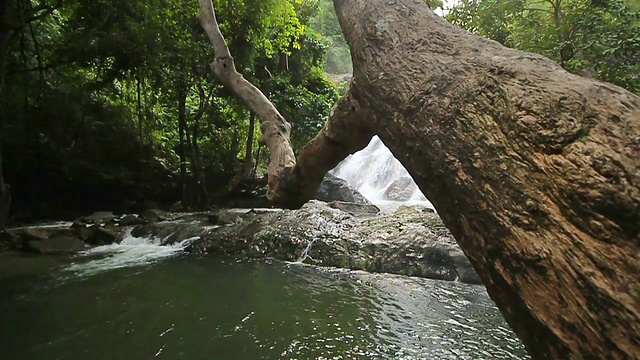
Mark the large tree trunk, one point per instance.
(535, 171)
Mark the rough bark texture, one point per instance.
(535, 171)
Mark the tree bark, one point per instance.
(196, 156)
(182, 124)
(5, 196)
(535, 171)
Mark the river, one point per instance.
(143, 301)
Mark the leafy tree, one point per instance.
(325, 22)
(109, 104)
(593, 37)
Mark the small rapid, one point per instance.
(131, 251)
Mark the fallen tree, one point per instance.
(535, 171)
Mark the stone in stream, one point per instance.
(334, 188)
(101, 236)
(400, 189)
(412, 241)
(56, 245)
(130, 220)
(98, 217)
(154, 215)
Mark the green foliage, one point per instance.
(325, 22)
(306, 105)
(589, 36)
(91, 93)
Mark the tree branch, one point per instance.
(275, 129)
(34, 14)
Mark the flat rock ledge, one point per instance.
(412, 241)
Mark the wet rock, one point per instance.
(401, 189)
(79, 224)
(355, 209)
(33, 233)
(101, 236)
(224, 217)
(98, 217)
(411, 242)
(333, 188)
(154, 215)
(130, 220)
(83, 233)
(56, 245)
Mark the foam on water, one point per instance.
(131, 251)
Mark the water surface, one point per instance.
(188, 307)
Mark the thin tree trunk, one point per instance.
(139, 109)
(182, 123)
(36, 49)
(4, 37)
(141, 155)
(248, 159)
(203, 194)
(247, 164)
(5, 196)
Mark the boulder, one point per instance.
(411, 242)
(401, 189)
(130, 220)
(355, 209)
(56, 245)
(98, 217)
(101, 236)
(154, 215)
(334, 188)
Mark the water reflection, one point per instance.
(213, 308)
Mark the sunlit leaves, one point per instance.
(597, 36)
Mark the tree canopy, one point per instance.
(113, 99)
(110, 104)
(599, 38)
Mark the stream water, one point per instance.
(124, 302)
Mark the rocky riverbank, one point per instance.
(411, 241)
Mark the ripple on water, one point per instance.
(208, 307)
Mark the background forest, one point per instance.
(111, 105)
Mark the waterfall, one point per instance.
(379, 176)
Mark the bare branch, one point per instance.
(275, 129)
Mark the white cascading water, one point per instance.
(131, 251)
(372, 170)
